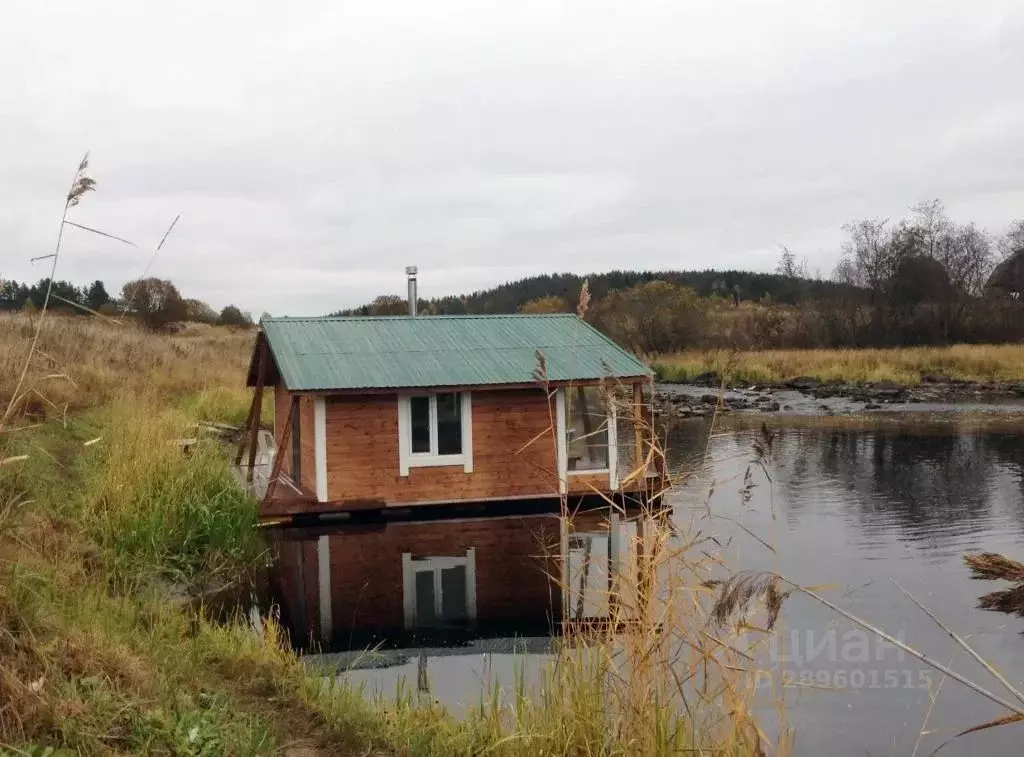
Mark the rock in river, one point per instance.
(888, 389)
(711, 378)
(803, 383)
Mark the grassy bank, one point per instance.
(104, 650)
(116, 548)
(986, 362)
(85, 362)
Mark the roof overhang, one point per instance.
(616, 381)
(271, 375)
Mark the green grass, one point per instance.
(100, 544)
(156, 509)
(223, 405)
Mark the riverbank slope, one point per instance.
(979, 364)
(125, 570)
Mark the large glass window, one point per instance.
(436, 424)
(586, 429)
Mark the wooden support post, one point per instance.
(261, 375)
(279, 457)
(245, 432)
(563, 564)
(638, 426)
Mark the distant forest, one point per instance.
(735, 286)
(512, 296)
(922, 279)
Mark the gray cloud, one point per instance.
(317, 147)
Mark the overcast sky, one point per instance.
(314, 148)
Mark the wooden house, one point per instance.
(470, 426)
(380, 412)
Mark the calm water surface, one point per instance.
(853, 509)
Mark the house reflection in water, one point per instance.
(442, 580)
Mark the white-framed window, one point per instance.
(439, 592)
(587, 436)
(435, 428)
(586, 430)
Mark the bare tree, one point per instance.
(968, 258)
(789, 267)
(870, 255)
(1013, 240)
(929, 227)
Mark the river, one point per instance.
(855, 506)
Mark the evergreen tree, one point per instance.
(96, 295)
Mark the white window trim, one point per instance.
(563, 454)
(409, 567)
(408, 459)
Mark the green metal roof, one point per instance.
(423, 351)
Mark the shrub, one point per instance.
(232, 316)
(156, 302)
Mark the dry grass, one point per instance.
(983, 362)
(84, 362)
(991, 566)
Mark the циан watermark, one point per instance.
(829, 658)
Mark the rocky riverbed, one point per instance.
(806, 395)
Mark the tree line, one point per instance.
(156, 303)
(920, 280)
(512, 296)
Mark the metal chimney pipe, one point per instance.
(410, 271)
